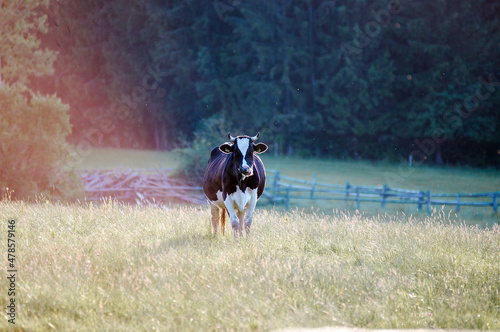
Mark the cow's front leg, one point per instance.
(233, 215)
(248, 222)
(249, 212)
(241, 218)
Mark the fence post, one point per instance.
(288, 197)
(357, 198)
(457, 208)
(428, 201)
(275, 183)
(313, 185)
(384, 195)
(495, 202)
(420, 201)
(347, 186)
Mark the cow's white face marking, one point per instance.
(243, 145)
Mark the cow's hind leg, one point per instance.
(215, 218)
(223, 221)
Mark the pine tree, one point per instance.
(444, 47)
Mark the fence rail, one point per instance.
(154, 186)
(149, 186)
(282, 188)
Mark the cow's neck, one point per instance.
(242, 181)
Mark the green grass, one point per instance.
(445, 179)
(436, 179)
(114, 267)
(449, 180)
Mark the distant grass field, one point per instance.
(449, 180)
(445, 179)
(437, 179)
(110, 267)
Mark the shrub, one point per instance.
(33, 130)
(194, 157)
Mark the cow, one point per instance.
(234, 180)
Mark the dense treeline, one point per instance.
(354, 79)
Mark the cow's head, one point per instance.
(243, 148)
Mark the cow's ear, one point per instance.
(259, 148)
(226, 148)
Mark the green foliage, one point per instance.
(33, 126)
(297, 269)
(194, 157)
(20, 53)
(282, 67)
(193, 160)
(33, 145)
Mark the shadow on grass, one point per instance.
(184, 240)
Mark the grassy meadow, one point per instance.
(445, 179)
(437, 179)
(115, 267)
(112, 267)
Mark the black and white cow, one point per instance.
(234, 180)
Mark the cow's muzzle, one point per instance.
(246, 171)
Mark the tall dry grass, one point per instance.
(111, 267)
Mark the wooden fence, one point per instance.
(283, 189)
(143, 186)
(154, 186)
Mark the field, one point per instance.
(437, 179)
(115, 267)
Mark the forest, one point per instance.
(374, 80)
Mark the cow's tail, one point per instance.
(223, 221)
